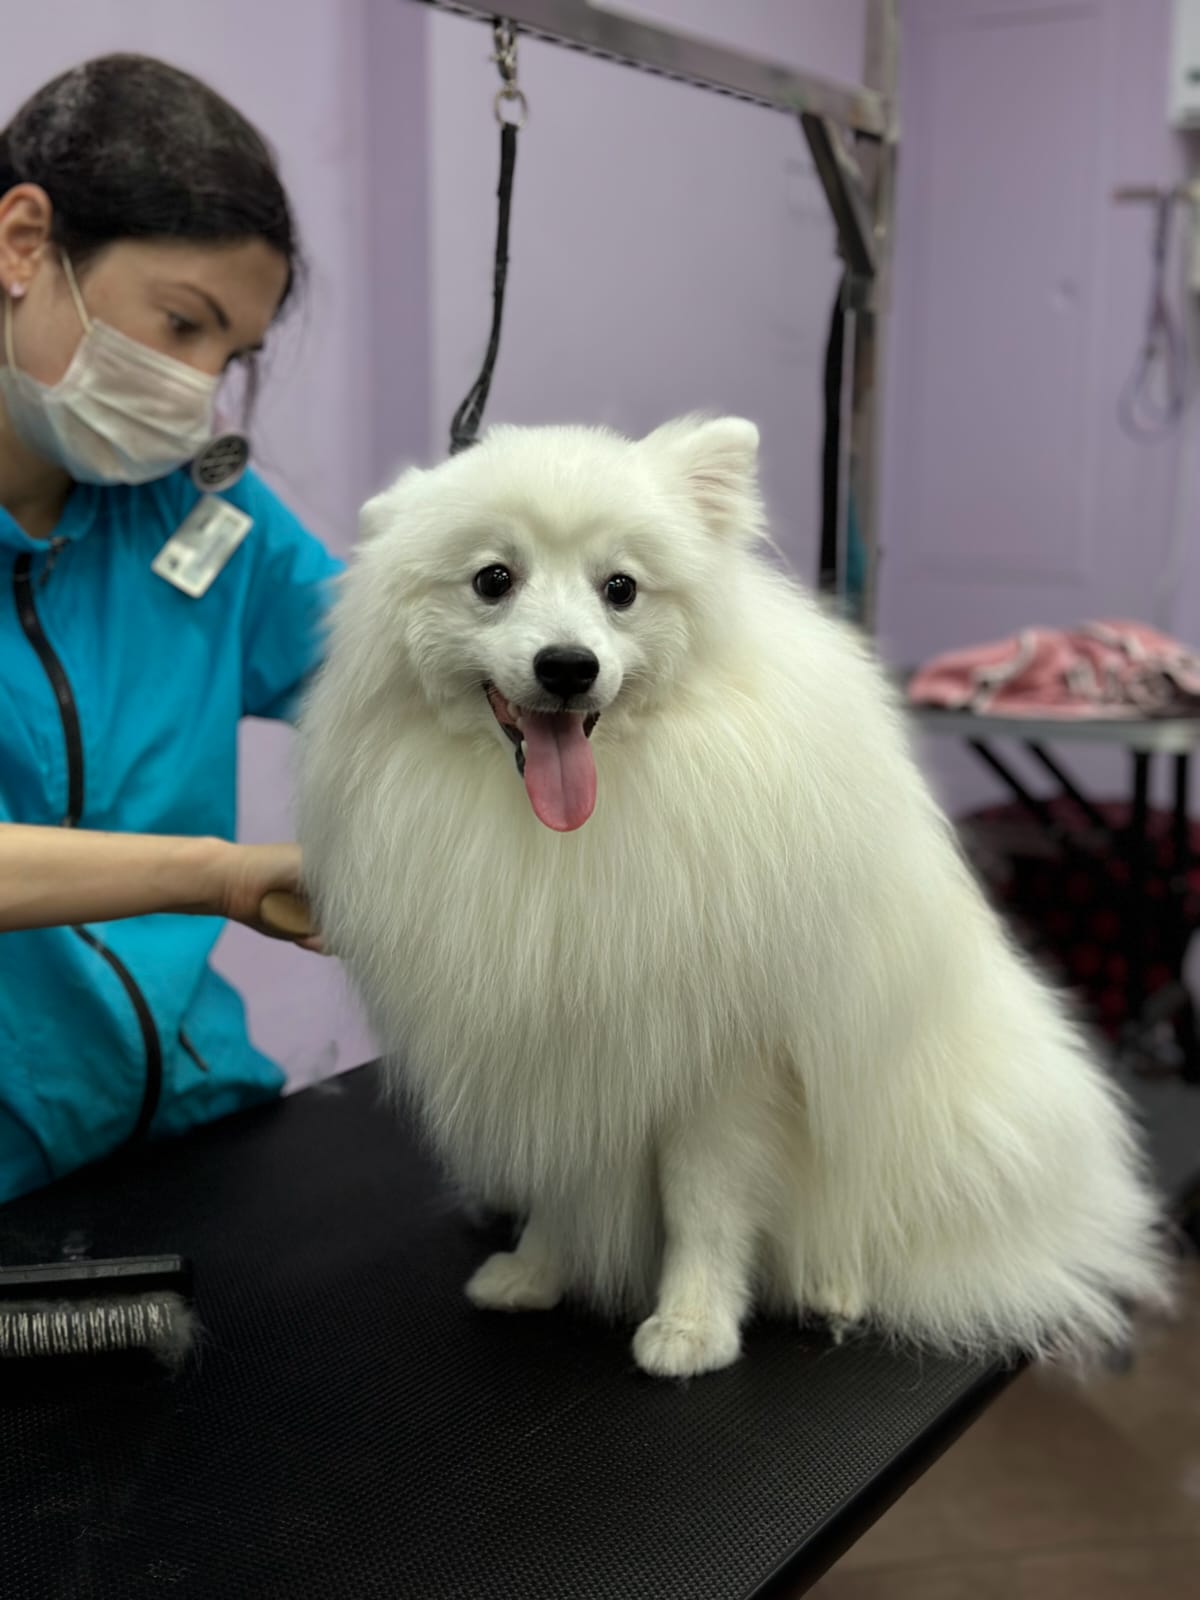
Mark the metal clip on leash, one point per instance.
(512, 113)
(510, 94)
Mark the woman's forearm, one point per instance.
(55, 876)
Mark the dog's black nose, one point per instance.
(564, 670)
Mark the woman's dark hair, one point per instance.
(128, 147)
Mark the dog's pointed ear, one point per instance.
(379, 513)
(717, 458)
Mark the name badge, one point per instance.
(201, 546)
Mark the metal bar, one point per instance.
(843, 186)
(876, 161)
(612, 37)
(1149, 193)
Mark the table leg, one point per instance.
(1182, 838)
(1071, 789)
(1038, 809)
(1181, 864)
(1138, 858)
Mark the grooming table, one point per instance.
(1144, 740)
(353, 1429)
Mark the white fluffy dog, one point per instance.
(621, 840)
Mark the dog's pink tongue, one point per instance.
(560, 774)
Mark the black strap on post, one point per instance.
(831, 449)
(464, 428)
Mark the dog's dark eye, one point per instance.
(492, 583)
(620, 591)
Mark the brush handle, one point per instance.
(287, 914)
(129, 1275)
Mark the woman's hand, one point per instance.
(245, 874)
(63, 877)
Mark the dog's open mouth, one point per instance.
(553, 757)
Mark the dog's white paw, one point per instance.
(842, 1303)
(683, 1347)
(511, 1282)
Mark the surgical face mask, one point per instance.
(121, 413)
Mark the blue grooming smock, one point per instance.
(120, 699)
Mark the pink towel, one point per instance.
(1101, 669)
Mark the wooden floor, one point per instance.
(1057, 1493)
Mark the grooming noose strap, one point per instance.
(464, 429)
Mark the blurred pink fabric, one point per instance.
(1100, 669)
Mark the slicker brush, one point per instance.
(81, 1308)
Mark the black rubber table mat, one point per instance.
(353, 1428)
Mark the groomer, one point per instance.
(150, 597)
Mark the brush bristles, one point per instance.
(162, 1324)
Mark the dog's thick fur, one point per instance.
(750, 1035)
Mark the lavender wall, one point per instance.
(671, 250)
(1010, 494)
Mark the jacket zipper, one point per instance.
(31, 626)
